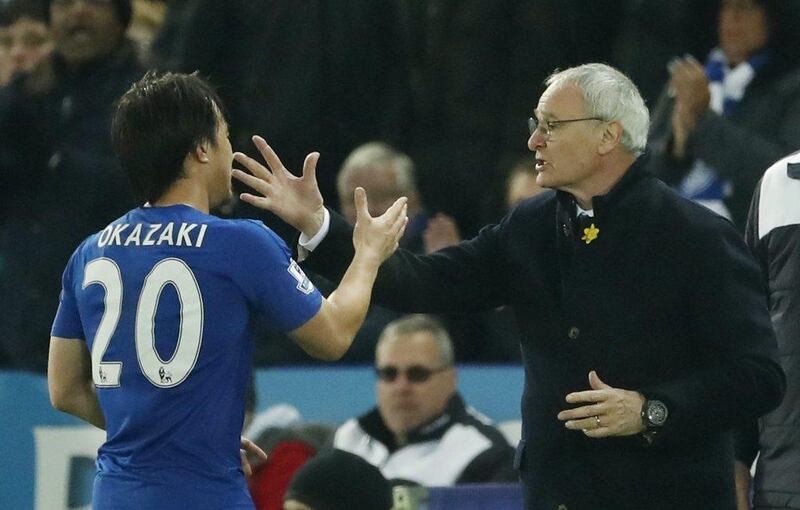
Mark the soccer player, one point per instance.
(151, 340)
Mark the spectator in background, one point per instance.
(146, 23)
(521, 183)
(288, 449)
(387, 174)
(421, 431)
(24, 38)
(58, 174)
(718, 125)
(338, 480)
(773, 233)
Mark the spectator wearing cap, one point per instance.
(421, 431)
(60, 179)
(338, 480)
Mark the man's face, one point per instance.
(743, 29)
(380, 183)
(221, 159)
(568, 157)
(403, 404)
(25, 43)
(85, 30)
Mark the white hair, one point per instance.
(610, 95)
(377, 155)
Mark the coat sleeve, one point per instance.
(467, 277)
(732, 331)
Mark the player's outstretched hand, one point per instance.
(378, 237)
(296, 200)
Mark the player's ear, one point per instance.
(201, 152)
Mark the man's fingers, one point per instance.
(260, 202)
(582, 412)
(254, 166)
(245, 464)
(587, 396)
(403, 228)
(310, 166)
(596, 383)
(598, 432)
(270, 156)
(360, 200)
(399, 222)
(396, 208)
(253, 449)
(254, 182)
(589, 423)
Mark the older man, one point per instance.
(421, 431)
(653, 298)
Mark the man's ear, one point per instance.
(200, 152)
(610, 138)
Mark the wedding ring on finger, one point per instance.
(597, 420)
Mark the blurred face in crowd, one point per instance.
(380, 183)
(405, 403)
(521, 185)
(85, 30)
(566, 154)
(23, 44)
(743, 29)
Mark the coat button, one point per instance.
(573, 333)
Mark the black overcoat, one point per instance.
(666, 300)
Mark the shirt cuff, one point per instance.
(306, 245)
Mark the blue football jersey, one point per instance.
(164, 298)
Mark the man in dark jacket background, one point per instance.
(773, 233)
(59, 178)
(654, 299)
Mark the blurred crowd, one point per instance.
(423, 99)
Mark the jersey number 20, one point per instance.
(162, 373)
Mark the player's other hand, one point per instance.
(378, 237)
(248, 450)
(295, 200)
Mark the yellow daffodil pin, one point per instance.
(590, 234)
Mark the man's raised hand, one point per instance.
(378, 237)
(295, 200)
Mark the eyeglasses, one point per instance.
(546, 127)
(414, 373)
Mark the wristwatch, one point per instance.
(654, 415)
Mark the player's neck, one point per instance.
(186, 192)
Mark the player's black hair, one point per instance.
(157, 122)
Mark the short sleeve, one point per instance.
(272, 281)
(67, 323)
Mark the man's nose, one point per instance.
(536, 140)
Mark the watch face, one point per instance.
(656, 412)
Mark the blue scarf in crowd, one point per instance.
(727, 87)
